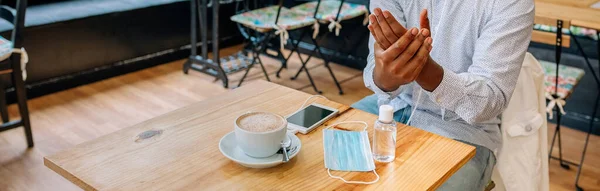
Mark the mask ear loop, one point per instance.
(346, 122)
(308, 99)
(295, 131)
(354, 182)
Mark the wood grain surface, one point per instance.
(561, 9)
(545, 20)
(572, 3)
(549, 38)
(186, 155)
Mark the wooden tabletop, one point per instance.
(571, 3)
(576, 11)
(186, 154)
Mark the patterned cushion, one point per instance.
(6, 47)
(263, 19)
(328, 10)
(577, 31)
(568, 78)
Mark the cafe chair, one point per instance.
(561, 80)
(13, 59)
(331, 13)
(268, 23)
(521, 163)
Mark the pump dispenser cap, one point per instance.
(386, 113)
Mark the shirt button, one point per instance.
(528, 128)
(438, 100)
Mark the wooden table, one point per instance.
(571, 3)
(186, 155)
(576, 11)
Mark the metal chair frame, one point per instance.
(258, 42)
(12, 66)
(558, 51)
(315, 50)
(202, 63)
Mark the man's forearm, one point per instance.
(431, 76)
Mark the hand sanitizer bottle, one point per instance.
(384, 138)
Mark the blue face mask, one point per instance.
(348, 151)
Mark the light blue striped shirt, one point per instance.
(481, 45)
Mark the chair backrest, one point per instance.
(337, 16)
(17, 18)
(278, 11)
(524, 134)
(314, 15)
(552, 38)
(317, 9)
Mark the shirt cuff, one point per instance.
(388, 95)
(380, 93)
(449, 93)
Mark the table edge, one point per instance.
(65, 174)
(450, 172)
(454, 169)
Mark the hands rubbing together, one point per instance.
(401, 55)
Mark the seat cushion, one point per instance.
(263, 19)
(577, 31)
(328, 10)
(568, 78)
(6, 47)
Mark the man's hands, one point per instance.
(385, 28)
(402, 62)
(400, 54)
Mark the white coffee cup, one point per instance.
(260, 144)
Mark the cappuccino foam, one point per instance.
(260, 122)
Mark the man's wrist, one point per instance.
(386, 88)
(380, 83)
(431, 75)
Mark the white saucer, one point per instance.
(229, 148)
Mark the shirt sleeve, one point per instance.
(483, 92)
(398, 13)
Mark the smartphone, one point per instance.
(310, 117)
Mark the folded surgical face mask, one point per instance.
(348, 151)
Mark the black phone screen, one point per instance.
(309, 116)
